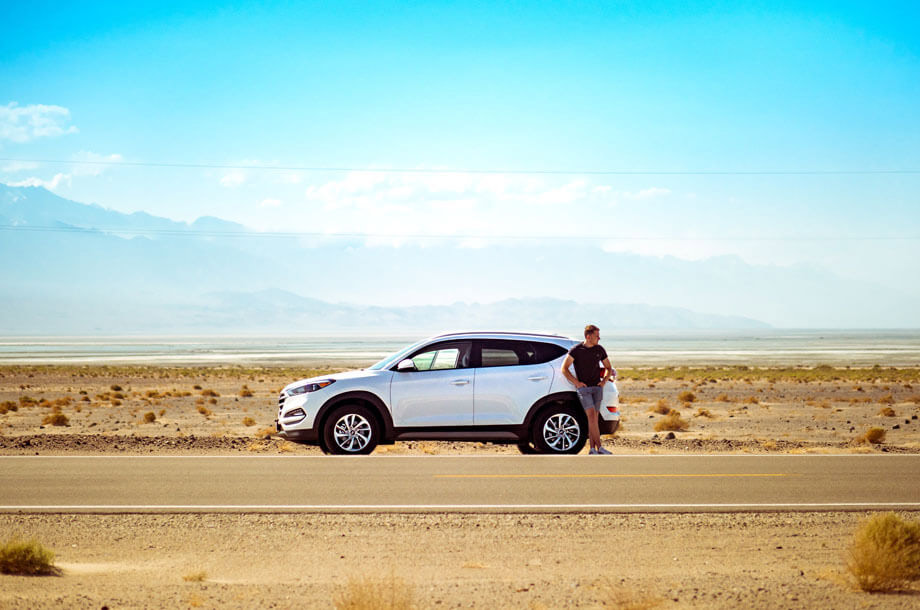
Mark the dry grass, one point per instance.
(150, 417)
(701, 412)
(55, 418)
(661, 407)
(248, 421)
(887, 399)
(873, 436)
(672, 421)
(887, 412)
(204, 410)
(8, 405)
(265, 432)
(616, 597)
(885, 553)
(26, 557)
(686, 396)
(199, 576)
(374, 594)
(751, 400)
(723, 398)
(245, 392)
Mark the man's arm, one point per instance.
(608, 371)
(568, 374)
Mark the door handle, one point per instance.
(537, 378)
(460, 382)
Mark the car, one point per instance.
(498, 387)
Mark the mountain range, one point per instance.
(73, 268)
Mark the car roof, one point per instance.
(521, 336)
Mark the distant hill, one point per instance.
(72, 268)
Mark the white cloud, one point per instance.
(270, 203)
(51, 184)
(26, 123)
(233, 178)
(649, 193)
(18, 166)
(93, 164)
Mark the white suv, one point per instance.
(477, 386)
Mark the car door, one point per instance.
(510, 378)
(439, 392)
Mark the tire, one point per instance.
(559, 430)
(350, 430)
(526, 448)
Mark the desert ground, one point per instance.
(759, 560)
(150, 410)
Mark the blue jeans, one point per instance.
(590, 397)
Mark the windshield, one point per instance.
(394, 358)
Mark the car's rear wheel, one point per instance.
(559, 430)
(351, 430)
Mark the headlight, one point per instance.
(310, 387)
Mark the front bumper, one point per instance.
(309, 435)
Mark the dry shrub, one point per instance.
(27, 557)
(263, 432)
(873, 436)
(661, 407)
(150, 417)
(27, 401)
(204, 410)
(700, 412)
(885, 553)
(162, 412)
(115, 387)
(887, 399)
(55, 418)
(8, 405)
(672, 421)
(248, 421)
(152, 394)
(212, 401)
(245, 392)
(374, 594)
(686, 396)
(199, 576)
(751, 400)
(887, 412)
(915, 399)
(723, 398)
(209, 393)
(196, 387)
(616, 597)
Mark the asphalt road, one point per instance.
(647, 483)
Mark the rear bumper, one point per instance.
(608, 426)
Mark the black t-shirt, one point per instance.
(587, 362)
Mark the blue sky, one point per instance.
(673, 86)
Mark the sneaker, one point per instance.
(603, 451)
(592, 452)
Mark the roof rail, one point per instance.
(503, 332)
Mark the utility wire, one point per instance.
(424, 236)
(553, 172)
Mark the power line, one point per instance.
(426, 236)
(553, 172)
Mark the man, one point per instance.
(589, 385)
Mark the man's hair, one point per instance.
(590, 329)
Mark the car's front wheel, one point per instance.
(351, 430)
(559, 430)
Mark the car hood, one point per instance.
(359, 374)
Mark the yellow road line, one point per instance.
(599, 476)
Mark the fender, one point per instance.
(565, 396)
(363, 396)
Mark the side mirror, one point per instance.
(406, 366)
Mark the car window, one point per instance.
(507, 352)
(443, 357)
(499, 356)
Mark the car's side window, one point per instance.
(505, 352)
(443, 356)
